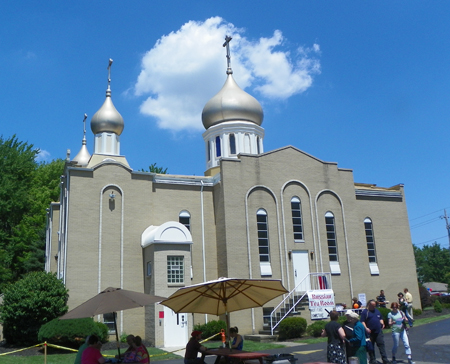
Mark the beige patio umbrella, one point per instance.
(111, 300)
(224, 295)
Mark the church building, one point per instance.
(280, 214)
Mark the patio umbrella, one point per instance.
(111, 300)
(224, 295)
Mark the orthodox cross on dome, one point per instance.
(84, 128)
(109, 72)
(227, 44)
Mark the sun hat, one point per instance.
(352, 314)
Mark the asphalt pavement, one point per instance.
(430, 344)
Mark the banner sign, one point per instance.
(319, 302)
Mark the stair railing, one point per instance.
(317, 281)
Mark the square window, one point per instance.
(175, 269)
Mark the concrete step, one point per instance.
(265, 337)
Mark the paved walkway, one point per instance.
(430, 344)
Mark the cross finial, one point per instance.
(84, 128)
(227, 44)
(109, 72)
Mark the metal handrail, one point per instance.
(328, 284)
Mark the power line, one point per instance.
(432, 240)
(425, 222)
(416, 218)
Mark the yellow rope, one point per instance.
(16, 351)
(70, 349)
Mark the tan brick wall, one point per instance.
(268, 181)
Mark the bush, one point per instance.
(424, 297)
(291, 327)
(417, 311)
(29, 303)
(315, 329)
(211, 328)
(446, 305)
(444, 299)
(384, 312)
(72, 332)
(437, 306)
(123, 337)
(433, 299)
(103, 329)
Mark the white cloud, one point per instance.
(186, 68)
(43, 156)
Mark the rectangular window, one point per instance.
(149, 269)
(232, 144)
(263, 237)
(297, 224)
(108, 320)
(370, 241)
(218, 148)
(175, 269)
(331, 237)
(186, 221)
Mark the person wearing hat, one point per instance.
(193, 347)
(357, 339)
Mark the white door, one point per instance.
(300, 265)
(175, 328)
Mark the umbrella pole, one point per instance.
(117, 334)
(227, 320)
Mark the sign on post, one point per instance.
(320, 302)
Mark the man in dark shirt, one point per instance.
(193, 347)
(373, 322)
(381, 300)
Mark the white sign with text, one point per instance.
(320, 303)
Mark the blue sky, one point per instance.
(364, 84)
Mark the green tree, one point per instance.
(17, 165)
(26, 190)
(29, 303)
(153, 168)
(432, 263)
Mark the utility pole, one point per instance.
(447, 226)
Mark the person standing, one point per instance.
(193, 347)
(381, 300)
(399, 331)
(336, 335)
(373, 323)
(403, 305)
(355, 337)
(409, 301)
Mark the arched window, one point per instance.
(185, 218)
(218, 149)
(232, 140)
(257, 145)
(263, 235)
(370, 240)
(331, 237)
(297, 223)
